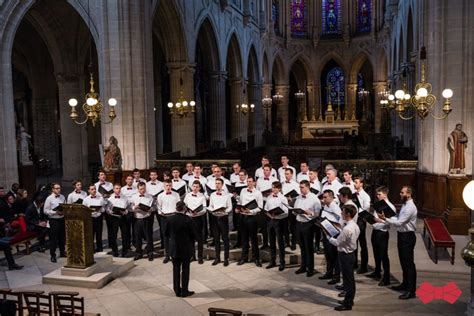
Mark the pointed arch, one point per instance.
(234, 58)
(357, 64)
(278, 71)
(207, 41)
(301, 67)
(265, 69)
(253, 73)
(326, 59)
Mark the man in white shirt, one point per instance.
(128, 191)
(143, 206)
(259, 172)
(264, 185)
(234, 177)
(332, 183)
(405, 222)
(116, 217)
(239, 185)
(155, 187)
(137, 178)
(248, 221)
(189, 172)
(198, 176)
(348, 182)
(211, 181)
(57, 235)
(195, 200)
(78, 195)
(179, 185)
(276, 225)
(379, 238)
(290, 187)
(304, 172)
(104, 184)
(309, 203)
(220, 205)
(332, 212)
(364, 200)
(346, 243)
(314, 183)
(284, 167)
(96, 203)
(166, 205)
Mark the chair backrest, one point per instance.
(67, 303)
(9, 297)
(37, 303)
(223, 312)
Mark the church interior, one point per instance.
(377, 90)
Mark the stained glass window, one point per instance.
(298, 18)
(335, 80)
(332, 17)
(364, 16)
(276, 16)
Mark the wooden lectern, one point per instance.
(79, 238)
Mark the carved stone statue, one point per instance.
(24, 147)
(457, 143)
(112, 156)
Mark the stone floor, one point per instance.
(147, 288)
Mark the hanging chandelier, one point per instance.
(182, 107)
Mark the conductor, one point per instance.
(180, 232)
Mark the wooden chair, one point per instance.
(223, 312)
(68, 304)
(8, 295)
(37, 303)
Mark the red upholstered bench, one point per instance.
(439, 236)
(23, 238)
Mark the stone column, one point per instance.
(73, 137)
(183, 136)
(217, 117)
(158, 118)
(256, 119)
(267, 92)
(237, 98)
(351, 97)
(378, 88)
(282, 109)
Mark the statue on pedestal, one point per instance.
(457, 143)
(112, 156)
(24, 147)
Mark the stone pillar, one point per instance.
(73, 137)
(237, 98)
(126, 72)
(183, 136)
(378, 88)
(267, 92)
(158, 118)
(282, 110)
(217, 117)
(351, 97)
(256, 119)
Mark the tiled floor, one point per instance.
(147, 288)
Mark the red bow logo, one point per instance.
(449, 292)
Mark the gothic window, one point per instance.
(332, 17)
(276, 16)
(335, 81)
(298, 18)
(364, 16)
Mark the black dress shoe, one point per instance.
(309, 273)
(201, 261)
(15, 267)
(216, 261)
(150, 257)
(258, 263)
(166, 259)
(187, 293)
(281, 267)
(124, 254)
(138, 257)
(341, 302)
(374, 275)
(241, 262)
(339, 287)
(178, 294)
(400, 287)
(384, 283)
(53, 259)
(300, 270)
(334, 281)
(326, 276)
(343, 308)
(226, 262)
(362, 271)
(407, 295)
(342, 294)
(271, 265)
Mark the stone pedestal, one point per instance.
(457, 215)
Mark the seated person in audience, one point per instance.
(37, 221)
(21, 202)
(15, 220)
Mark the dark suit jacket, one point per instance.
(32, 216)
(181, 233)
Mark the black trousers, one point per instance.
(346, 261)
(221, 229)
(291, 235)
(236, 219)
(380, 246)
(262, 220)
(8, 254)
(97, 228)
(332, 261)
(144, 229)
(317, 237)
(165, 241)
(160, 225)
(181, 267)
(249, 227)
(362, 244)
(305, 240)
(130, 231)
(198, 224)
(42, 232)
(57, 235)
(406, 245)
(276, 231)
(113, 225)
